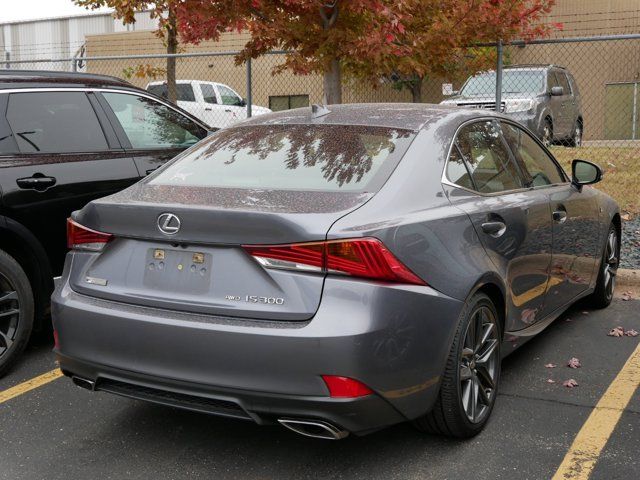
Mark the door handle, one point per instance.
(208, 109)
(38, 182)
(227, 110)
(560, 216)
(495, 229)
(151, 170)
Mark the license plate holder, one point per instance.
(180, 271)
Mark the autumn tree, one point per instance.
(437, 35)
(320, 35)
(165, 12)
(401, 39)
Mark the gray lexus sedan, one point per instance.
(334, 270)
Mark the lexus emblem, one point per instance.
(168, 223)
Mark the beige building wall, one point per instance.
(224, 70)
(596, 17)
(594, 65)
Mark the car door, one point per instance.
(150, 131)
(574, 219)
(512, 221)
(233, 105)
(187, 99)
(214, 111)
(65, 155)
(569, 106)
(555, 105)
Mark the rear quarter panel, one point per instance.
(415, 220)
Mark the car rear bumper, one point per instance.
(394, 339)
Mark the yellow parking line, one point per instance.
(581, 458)
(24, 387)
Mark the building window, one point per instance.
(287, 102)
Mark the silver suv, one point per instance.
(545, 98)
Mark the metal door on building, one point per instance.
(621, 114)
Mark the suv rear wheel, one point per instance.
(576, 137)
(547, 133)
(16, 310)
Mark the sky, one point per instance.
(15, 10)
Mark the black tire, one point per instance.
(16, 311)
(576, 136)
(546, 136)
(606, 283)
(449, 416)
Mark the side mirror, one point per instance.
(242, 103)
(585, 173)
(557, 91)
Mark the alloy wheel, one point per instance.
(479, 364)
(9, 314)
(611, 263)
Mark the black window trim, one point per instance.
(109, 139)
(446, 181)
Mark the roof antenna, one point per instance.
(318, 110)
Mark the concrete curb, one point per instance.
(628, 277)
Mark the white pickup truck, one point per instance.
(216, 104)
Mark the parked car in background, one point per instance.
(335, 272)
(66, 139)
(545, 98)
(216, 104)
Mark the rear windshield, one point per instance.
(291, 157)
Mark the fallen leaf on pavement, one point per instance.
(627, 295)
(574, 363)
(625, 216)
(550, 380)
(631, 333)
(616, 332)
(570, 383)
(550, 365)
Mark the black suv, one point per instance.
(66, 139)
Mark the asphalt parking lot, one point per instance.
(58, 430)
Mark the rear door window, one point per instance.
(487, 158)
(54, 122)
(208, 93)
(184, 91)
(150, 124)
(292, 157)
(564, 83)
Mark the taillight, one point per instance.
(344, 387)
(83, 238)
(362, 257)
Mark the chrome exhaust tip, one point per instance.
(84, 383)
(314, 428)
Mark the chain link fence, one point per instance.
(578, 95)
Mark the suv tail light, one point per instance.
(363, 257)
(83, 238)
